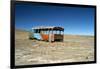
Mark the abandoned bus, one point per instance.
(50, 33)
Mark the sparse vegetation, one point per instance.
(73, 49)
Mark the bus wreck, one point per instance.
(50, 33)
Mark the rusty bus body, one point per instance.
(50, 34)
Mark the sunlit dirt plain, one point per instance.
(75, 48)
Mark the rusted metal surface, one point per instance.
(45, 37)
(58, 37)
(50, 33)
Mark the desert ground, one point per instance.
(75, 48)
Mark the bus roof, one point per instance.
(48, 28)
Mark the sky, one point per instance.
(75, 20)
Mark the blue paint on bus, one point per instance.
(37, 36)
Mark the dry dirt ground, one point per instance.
(73, 49)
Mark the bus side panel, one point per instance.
(45, 37)
(37, 36)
